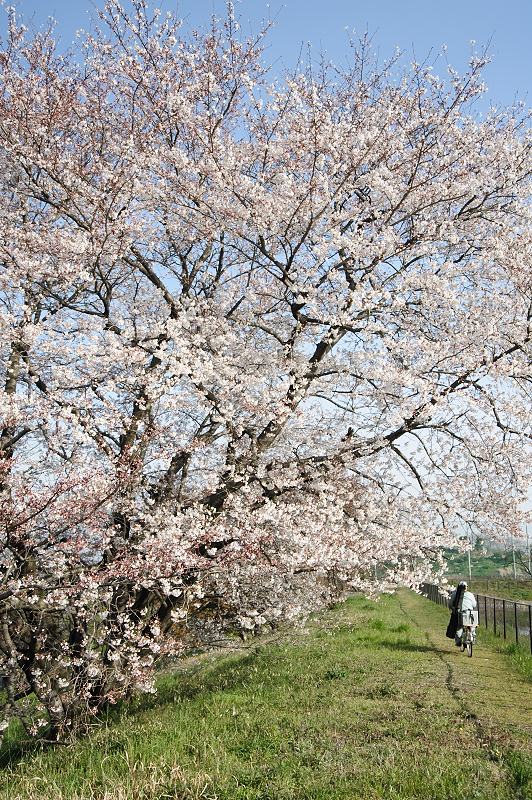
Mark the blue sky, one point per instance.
(414, 25)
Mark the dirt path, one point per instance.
(485, 687)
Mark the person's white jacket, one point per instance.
(469, 602)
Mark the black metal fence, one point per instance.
(510, 619)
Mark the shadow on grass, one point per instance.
(399, 644)
(232, 673)
(412, 648)
(13, 752)
(177, 687)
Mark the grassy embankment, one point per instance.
(484, 565)
(503, 587)
(366, 701)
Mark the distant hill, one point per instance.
(496, 563)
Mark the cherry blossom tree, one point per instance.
(261, 341)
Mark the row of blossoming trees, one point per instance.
(255, 338)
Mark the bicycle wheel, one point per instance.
(469, 646)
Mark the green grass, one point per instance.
(359, 703)
(521, 660)
(517, 654)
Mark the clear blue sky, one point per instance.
(414, 25)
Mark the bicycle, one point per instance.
(469, 620)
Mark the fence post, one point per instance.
(486, 610)
(494, 617)
(504, 618)
(516, 625)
